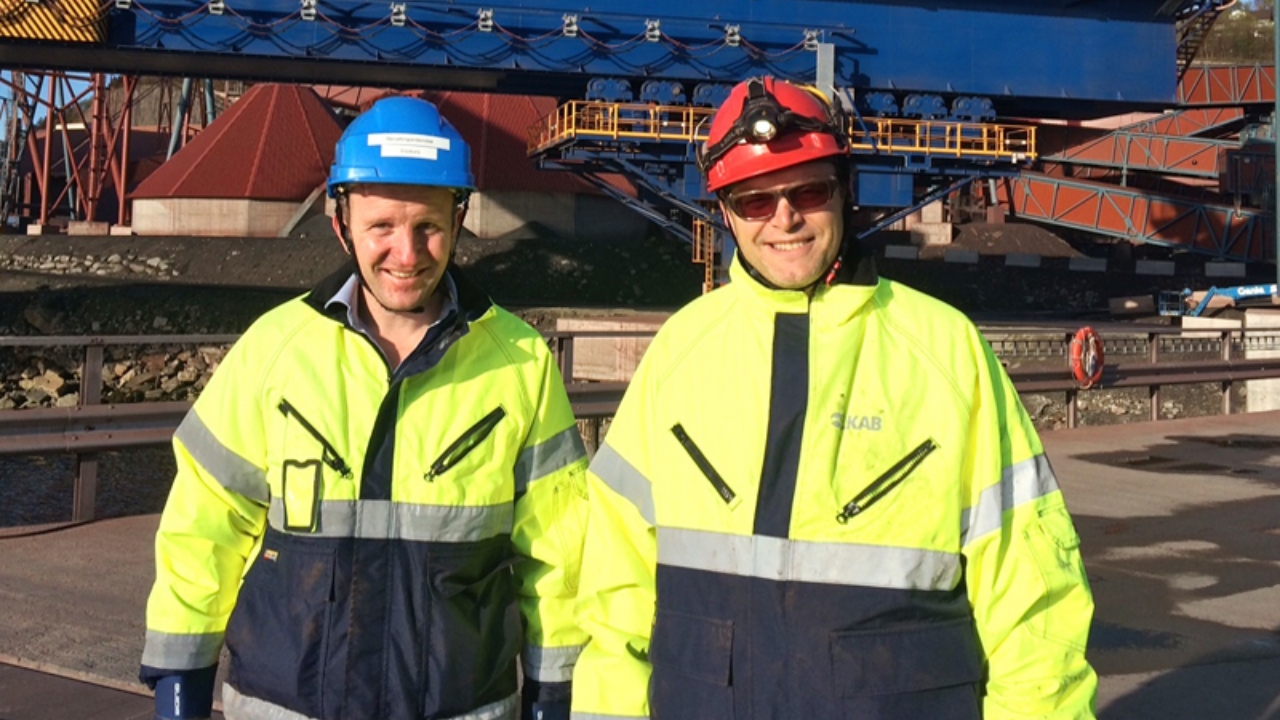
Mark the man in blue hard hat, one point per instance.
(379, 503)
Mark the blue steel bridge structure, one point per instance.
(938, 91)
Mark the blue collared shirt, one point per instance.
(349, 296)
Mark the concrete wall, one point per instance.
(581, 217)
(218, 218)
(1262, 394)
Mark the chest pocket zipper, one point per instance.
(885, 484)
(465, 443)
(722, 488)
(330, 456)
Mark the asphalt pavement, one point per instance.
(1180, 528)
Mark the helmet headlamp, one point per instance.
(761, 120)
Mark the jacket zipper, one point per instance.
(884, 484)
(726, 493)
(330, 456)
(465, 443)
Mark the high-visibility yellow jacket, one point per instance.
(368, 540)
(810, 509)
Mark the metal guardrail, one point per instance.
(95, 428)
(59, 420)
(600, 120)
(91, 428)
(1225, 373)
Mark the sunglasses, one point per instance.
(762, 204)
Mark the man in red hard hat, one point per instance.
(821, 497)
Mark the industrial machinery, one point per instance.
(1188, 303)
(938, 91)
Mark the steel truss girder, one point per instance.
(1228, 85)
(1193, 157)
(1188, 122)
(1218, 230)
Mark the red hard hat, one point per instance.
(807, 129)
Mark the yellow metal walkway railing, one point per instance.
(589, 120)
(578, 119)
(945, 138)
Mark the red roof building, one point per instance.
(249, 172)
(275, 143)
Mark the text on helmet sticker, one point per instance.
(408, 145)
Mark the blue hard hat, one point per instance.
(401, 141)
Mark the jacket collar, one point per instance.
(473, 302)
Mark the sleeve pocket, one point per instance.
(1064, 607)
(699, 648)
(909, 659)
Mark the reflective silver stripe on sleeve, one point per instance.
(180, 651)
(231, 471)
(623, 478)
(551, 664)
(387, 520)
(548, 456)
(770, 558)
(1019, 484)
(237, 705)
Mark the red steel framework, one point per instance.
(1228, 85)
(48, 110)
(1188, 122)
(1197, 157)
(1139, 216)
(1168, 180)
(69, 139)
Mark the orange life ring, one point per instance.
(1086, 357)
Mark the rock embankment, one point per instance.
(114, 265)
(52, 377)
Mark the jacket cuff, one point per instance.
(544, 701)
(187, 695)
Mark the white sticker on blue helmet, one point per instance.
(409, 145)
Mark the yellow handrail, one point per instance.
(640, 121)
(616, 121)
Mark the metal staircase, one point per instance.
(1193, 30)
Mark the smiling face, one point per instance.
(401, 237)
(791, 248)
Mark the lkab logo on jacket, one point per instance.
(842, 421)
